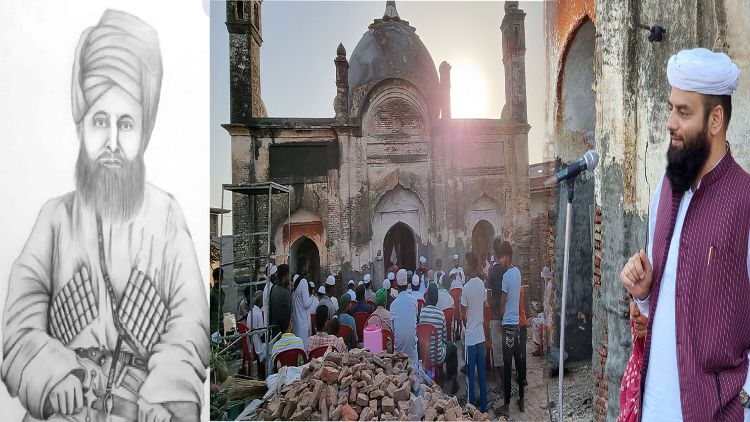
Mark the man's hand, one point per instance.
(636, 275)
(152, 412)
(640, 321)
(66, 397)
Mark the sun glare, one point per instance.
(468, 91)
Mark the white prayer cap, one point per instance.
(311, 284)
(455, 256)
(391, 276)
(360, 283)
(401, 277)
(350, 283)
(367, 278)
(322, 290)
(331, 280)
(415, 280)
(273, 270)
(386, 284)
(703, 71)
(422, 260)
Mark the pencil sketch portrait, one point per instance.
(105, 316)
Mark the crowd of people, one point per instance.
(487, 297)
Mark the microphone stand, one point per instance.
(566, 261)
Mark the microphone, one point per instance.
(588, 162)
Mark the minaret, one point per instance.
(514, 53)
(445, 90)
(244, 27)
(341, 102)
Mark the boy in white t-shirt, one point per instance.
(473, 299)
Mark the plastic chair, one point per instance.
(289, 357)
(420, 304)
(347, 334)
(457, 320)
(360, 318)
(313, 323)
(247, 358)
(425, 333)
(388, 340)
(448, 322)
(317, 352)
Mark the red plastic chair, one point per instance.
(347, 334)
(317, 352)
(420, 304)
(246, 356)
(425, 333)
(388, 340)
(360, 318)
(448, 323)
(313, 323)
(291, 357)
(457, 320)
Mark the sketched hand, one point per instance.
(636, 275)
(640, 321)
(66, 397)
(152, 412)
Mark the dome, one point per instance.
(390, 49)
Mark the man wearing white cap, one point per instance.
(457, 274)
(351, 291)
(391, 293)
(369, 294)
(404, 318)
(392, 284)
(314, 302)
(422, 273)
(695, 268)
(333, 305)
(415, 288)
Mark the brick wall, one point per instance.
(599, 359)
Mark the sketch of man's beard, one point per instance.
(115, 193)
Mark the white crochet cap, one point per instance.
(401, 277)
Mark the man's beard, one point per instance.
(683, 165)
(115, 193)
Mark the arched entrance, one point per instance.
(575, 135)
(481, 239)
(307, 249)
(400, 245)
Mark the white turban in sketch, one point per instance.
(123, 51)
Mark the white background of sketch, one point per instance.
(38, 142)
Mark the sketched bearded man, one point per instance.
(105, 317)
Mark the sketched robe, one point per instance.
(46, 316)
(712, 300)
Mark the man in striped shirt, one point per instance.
(288, 341)
(446, 352)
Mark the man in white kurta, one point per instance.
(301, 302)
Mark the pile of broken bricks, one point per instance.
(360, 386)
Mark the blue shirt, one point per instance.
(404, 323)
(347, 319)
(512, 288)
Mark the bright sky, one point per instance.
(299, 45)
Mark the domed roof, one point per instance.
(390, 49)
